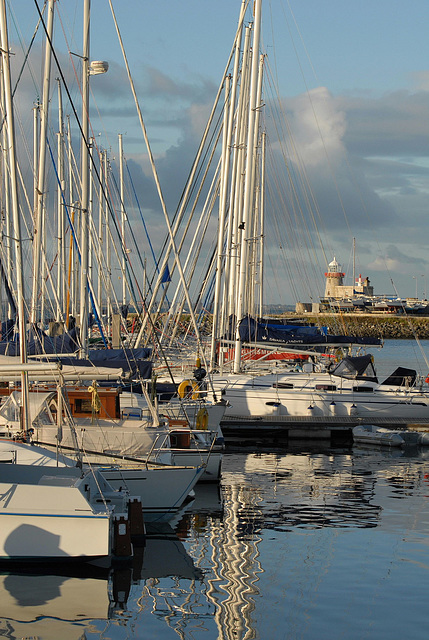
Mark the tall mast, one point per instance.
(61, 250)
(262, 225)
(108, 249)
(245, 226)
(100, 233)
(84, 297)
(6, 199)
(121, 187)
(16, 239)
(38, 227)
(232, 246)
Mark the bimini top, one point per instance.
(356, 368)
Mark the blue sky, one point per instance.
(363, 68)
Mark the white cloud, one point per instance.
(318, 124)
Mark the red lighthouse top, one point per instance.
(334, 270)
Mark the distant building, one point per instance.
(334, 287)
(358, 297)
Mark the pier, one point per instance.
(337, 430)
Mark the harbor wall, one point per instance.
(386, 327)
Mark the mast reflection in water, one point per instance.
(298, 545)
(311, 544)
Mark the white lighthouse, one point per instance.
(334, 278)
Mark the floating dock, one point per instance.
(281, 429)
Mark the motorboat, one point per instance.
(373, 434)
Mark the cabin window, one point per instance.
(363, 389)
(283, 385)
(83, 405)
(326, 387)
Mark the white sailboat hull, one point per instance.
(192, 458)
(262, 396)
(50, 522)
(162, 490)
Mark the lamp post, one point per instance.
(415, 278)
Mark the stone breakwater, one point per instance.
(370, 326)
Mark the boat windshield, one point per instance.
(401, 377)
(356, 368)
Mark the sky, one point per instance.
(353, 82)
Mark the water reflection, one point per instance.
(288, 493)
(291, 545)
(59, 605)
(66, 602)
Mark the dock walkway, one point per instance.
(337, 429)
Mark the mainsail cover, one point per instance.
(252, 330)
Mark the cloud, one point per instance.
(318, 126)
(394, 259)
(341, 166)
(392, 125)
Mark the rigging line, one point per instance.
(206, 211)
(109, 205)
(7, 287)
(141, 216)
(122, 240)
(332, 172)
(155, 175)
(291, 241)
(184, 198)
(172, 231)
(301, 178)
(190, 190)
(87, 143)
(286, 205)
(196, 245)
(88, 284)
(26, 54)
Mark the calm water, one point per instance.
(296, 545)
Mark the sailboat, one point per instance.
(170, 485)
(52, 510)
(48, 511)
(161, 487)
(349, 391)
